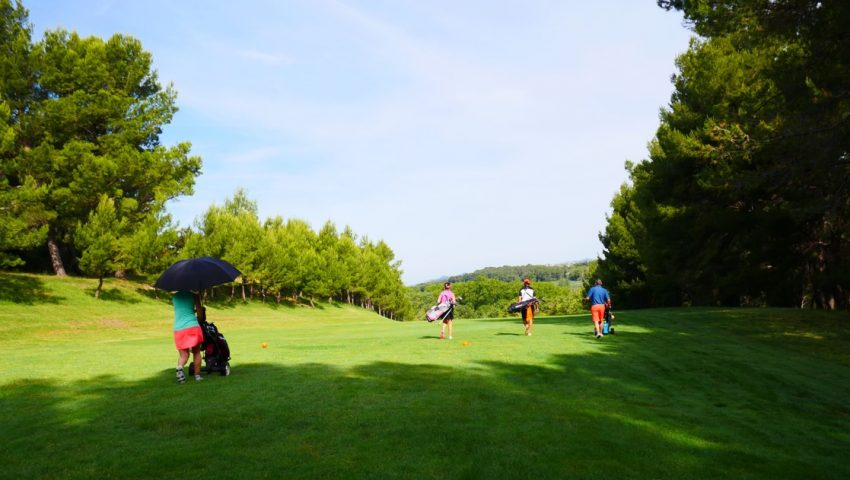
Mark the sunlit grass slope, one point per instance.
(87, 390)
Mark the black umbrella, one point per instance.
(196, 274)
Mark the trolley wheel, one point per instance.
(611, 330)
(191, 369)
(226, 370)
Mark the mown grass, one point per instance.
(87, 391)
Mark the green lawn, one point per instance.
(87, 390)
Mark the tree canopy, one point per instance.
(82, 119)
(286, 259)
(744, 197)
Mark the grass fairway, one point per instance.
(87, 391)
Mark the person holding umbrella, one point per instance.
(188, 335)
(185, 277)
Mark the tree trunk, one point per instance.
(55, 258)
(99, 287)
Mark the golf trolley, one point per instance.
(608, 321)
(216, 351)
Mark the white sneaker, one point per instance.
(181, 377)
(198, 378)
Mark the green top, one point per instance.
(184, 310)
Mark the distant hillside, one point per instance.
(565, 273)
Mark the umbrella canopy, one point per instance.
(196, 274)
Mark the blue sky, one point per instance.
(465, 134)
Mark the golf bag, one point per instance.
(608, 321)
(439, 312)
(215, 348)
(518, 307)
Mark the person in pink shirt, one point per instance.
(447, 296)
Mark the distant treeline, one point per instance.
(567, 273)
(487, 292)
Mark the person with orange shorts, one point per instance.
(599, 298)
(527, 294)
(188, 335)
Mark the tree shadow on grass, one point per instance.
(25, 289)
(794, 329)
(115, 295)
(154, 294)
(618, 413)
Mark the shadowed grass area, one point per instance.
(24, 289)
(88, 391)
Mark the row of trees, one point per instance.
(282, 259)
(745, 196)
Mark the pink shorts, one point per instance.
(188, 337)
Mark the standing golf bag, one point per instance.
(439, 312)
(608, 321)
(215, 348)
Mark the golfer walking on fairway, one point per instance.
(598, 298)
(527, 293)
(447, 296)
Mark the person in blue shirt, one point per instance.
(599, 298)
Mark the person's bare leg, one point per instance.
(182, 357)
(196, 356)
